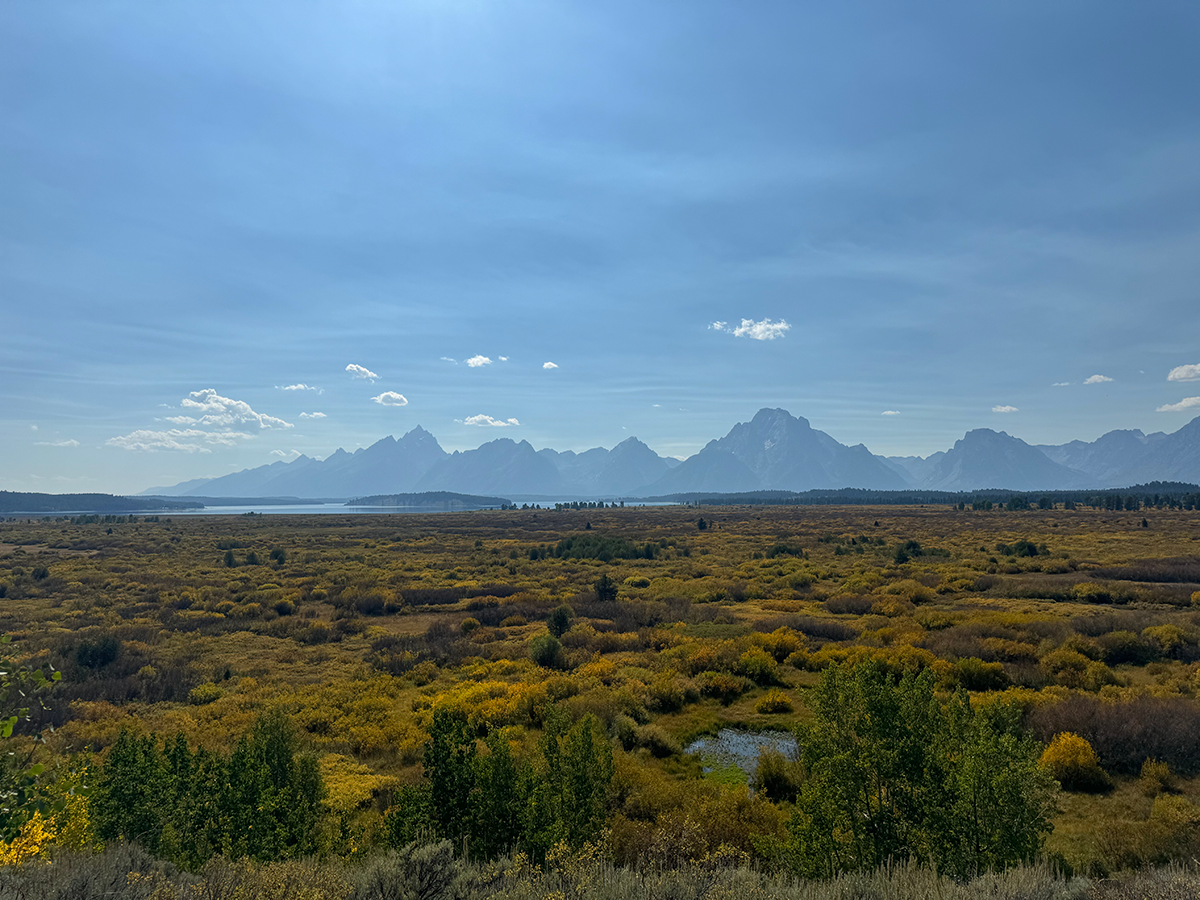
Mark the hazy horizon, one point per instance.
(235, 234)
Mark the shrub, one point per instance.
(976, 675)
(1090, 592)
(658, 742)
(851, 604)
(774, 701)
(1124, 735)
(759, 666)
(1074, 764)
(423, 872)
(776, 777)
(1066, 667)
(284, 607)
(1157, 778)
(370, 605)
(205, 693)
(624, 729)
(546, 651)
(1121, 647)
(665, 693)
(98, 653)
(723, 686)
(316, 633)
(469, 625)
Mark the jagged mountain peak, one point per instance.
(778, 451)
(773, 450)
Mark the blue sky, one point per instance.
(955, 208)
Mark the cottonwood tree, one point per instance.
(892, 774)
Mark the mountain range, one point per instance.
(773, 451)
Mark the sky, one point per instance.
(234, 232)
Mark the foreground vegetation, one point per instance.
(329, 689)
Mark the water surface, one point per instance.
(740, 747)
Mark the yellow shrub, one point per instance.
(599, 668)
(912, 591)
(1156, 778)
(35, 836)
(1167, 638)
(1073, 762)
(774, 701)
(1066, 667)
(351, 784)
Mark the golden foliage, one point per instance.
(1073, 762)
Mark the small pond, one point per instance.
(739, 747)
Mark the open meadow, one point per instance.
(409, 652)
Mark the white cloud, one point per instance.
(189, 440)
(223, 412)
(67, 443)
(766, 330)
(1060, 384)
(285, 454)
(476, 361)
(890, 412)
(302, 387)
(1184, 373)
(312, 415)
(488, 420)
(33, 428)
(391, 398)
(449, 360)
(361, 372)
(1185, 403)
(1096, 379)
(1004, 409)
(503, 359)
(549, 365)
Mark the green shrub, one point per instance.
(976, 675)
(776, 777)
(546, 651)
(657, 741)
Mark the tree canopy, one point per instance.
(891, 774)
